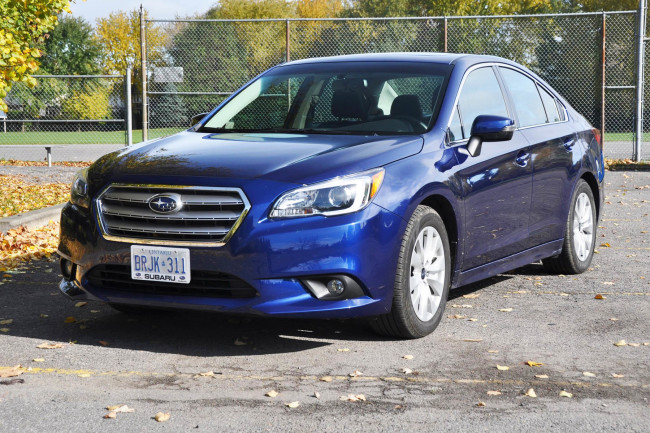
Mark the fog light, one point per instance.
(66, 269)
(335, 287)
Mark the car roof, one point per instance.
(459, 59)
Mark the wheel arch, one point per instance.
(593, 185)
(445, 209)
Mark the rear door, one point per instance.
(555, 156)
(497, 183)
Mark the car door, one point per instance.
(556, 159)
(497, 184)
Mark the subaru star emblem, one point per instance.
(165, 203)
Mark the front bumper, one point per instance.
(272, 256)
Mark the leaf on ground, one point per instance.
(272, 393)
(502, 367)
(38, 360)
(472, 295)
(5, 329)
(240, 342)
(456, 316)
(617, 376)
(505, 310)
(473, 340)
(461, 306)
(620, 343)
(11, 371)
(343, 350)
(80, 304)
(110, 415)
(6, 322)
(356, 373)
(493, 351)
(326, 379)
(84, 375)
(541, 376)
(407, 356)
(613, 319)
(103, 343)
(588, 374)
(480, 404)
(471, 319)
(317, 394)
(293, 404)
(566, 394)
(353, 397)
(599, 296)
(634, 344)
(605, 244)
(534, 364)
(530, 393)
(407, 370)
(44, 316)
(494, 393)
(207, 374)
(608, 283)
(162, 416)
(50, 346)
(70, 319)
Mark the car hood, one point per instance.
(293, 158)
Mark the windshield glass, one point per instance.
(337, 98)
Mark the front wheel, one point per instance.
(422, 279)
(580, 234)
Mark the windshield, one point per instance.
(337, 98)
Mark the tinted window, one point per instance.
(480, 94)
(549, 106)
(455, 128)
(525, 96)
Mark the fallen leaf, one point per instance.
(70, 319)
(317, 394)
(534, 364)
(456, 316)
(480, 404)
(599, 296)
(605, 244)
(608, 283)
(6, 322)
(634, 344)
(353, 397)
(588, 374)
(502, 367)
(207, 374)
(530, 393)
(618, 376)
(493, 351)
(240, 342)
(407, 356)
(293, 404)
(103, 343)
(11, 371)
(110, 415)
(5, 329)
(84, 375)
(494, 393)
(620, 343)
(80, 304)
(326, 379)
(505, 310)
(407, 370)
(461, 306)
(272, 393)
(50, 346)
(44, 316)
(356, 373)
(343, 350)
(541, 376)
(566, 394)
(473, 340)
(613, 319)
(162, 416)
(471, 319)
(38, 360)
(472, 295)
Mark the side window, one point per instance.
(528, 104)
(480, 94)
(561, 110)
(549, 106)
(455, 128)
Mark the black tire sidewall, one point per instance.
(422, 217)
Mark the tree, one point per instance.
(22, 28)
(119, 35)
(168, 109)
(71, 49)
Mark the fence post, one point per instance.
(143, 65)
(288, 36)
(445, 42)
(602, 100)
(639, 80)
(129, 109)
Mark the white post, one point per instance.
(129, 120)
(639, 79)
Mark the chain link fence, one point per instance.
(78, 117)
(587, 58)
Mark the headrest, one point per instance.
(406, 105)
(350, 103)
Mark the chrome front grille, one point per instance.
(205, 215)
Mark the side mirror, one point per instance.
(489, 128)
(197, 118)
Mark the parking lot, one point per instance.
(210, 372)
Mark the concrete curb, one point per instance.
(35, 218)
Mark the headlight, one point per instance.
(79, 189)
(333, 197)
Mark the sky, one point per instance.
(158, 9)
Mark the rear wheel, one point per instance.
(421, 280)
(580, 235)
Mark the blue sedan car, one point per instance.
(351, 186)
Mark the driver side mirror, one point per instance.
(197, 118)
(489, 128)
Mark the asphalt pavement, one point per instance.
(211, 372)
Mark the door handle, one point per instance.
(522, 158)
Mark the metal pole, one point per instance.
(445, 34)
(143, 65)
(288, 36)
(129, 109)
(602, 100)
(639, 80)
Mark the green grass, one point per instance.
(81, 137)
(624, 136)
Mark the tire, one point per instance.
(422, 279)
(580, 234)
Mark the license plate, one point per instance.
(168, 265)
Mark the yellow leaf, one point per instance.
(84, 375)
(588, 374)
(50, 346)
(70, 319)
(605, 244)
(599, 296)
(293, 404)
(4, 329)
(480, 404)
(38, 360)
(531, 393)
(11, 371)
(618, 376)
(534, 364)
(162, 416)
(407, 356)
(502, 367)
(472, 295)
(541, 376)
(620, 343)
(566, 394)
(272, 393)
(80, 304)
(326, 379)
(343, 350)
(110, 415)
(6, 322)
(494, 393)
(505, 310)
